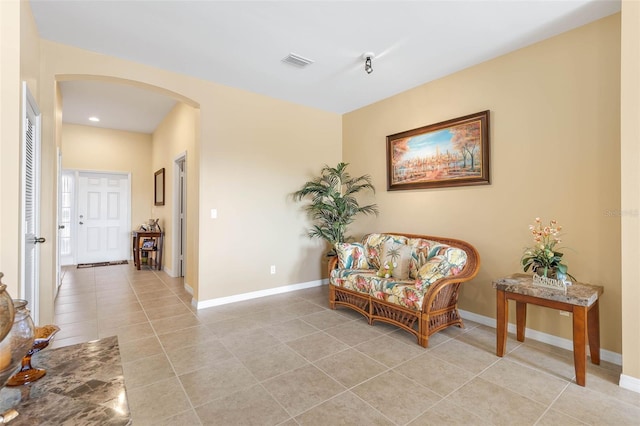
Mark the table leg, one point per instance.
(133, 249)
(579, 343)
(502, 311)
(137, 255)
(521, 320)
(593, 330)
(159, 253)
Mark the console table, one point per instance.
(580, 299)
(138, 238)
(83, 386)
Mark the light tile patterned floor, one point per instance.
(289, 360)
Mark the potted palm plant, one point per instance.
(333, 204)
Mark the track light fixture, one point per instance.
(367, 62)
(367, 65)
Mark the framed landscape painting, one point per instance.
(451, 153)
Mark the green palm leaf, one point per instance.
(333, 205)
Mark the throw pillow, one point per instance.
(398, 255)
(351, 256)
(373, 244)
(433, 270)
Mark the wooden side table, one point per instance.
(581, 300)
(138, 237)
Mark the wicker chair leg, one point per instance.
(332, 297)
(423, 331)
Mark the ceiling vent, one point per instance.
(296, 60)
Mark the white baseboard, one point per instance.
(630, 383)
(605, 355)
(169, 272)
(260, 293)
(189, 290)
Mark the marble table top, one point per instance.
(84, 385)
(579, 294)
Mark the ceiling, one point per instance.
(117, 106)
(242, 44)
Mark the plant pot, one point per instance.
(551, 273)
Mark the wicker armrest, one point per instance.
(333, 263)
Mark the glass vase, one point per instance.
(18, 342)
(23, 330)
(12, 349)
(7, 315)
(6, 311)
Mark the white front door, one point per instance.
(103, 217)
(30, 201)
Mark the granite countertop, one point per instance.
(84, 385)
(579, 294)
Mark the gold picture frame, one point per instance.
(446, 154)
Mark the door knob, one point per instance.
(81, 223)
(60, 226)
(37, 240)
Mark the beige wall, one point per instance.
(9, 145)
(175, 136)
(29, 49)
(263, 150)
(630, 176)
(252, 151)
(555, 153)
(19, 61)
(107, 150)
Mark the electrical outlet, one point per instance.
(564, 313)
(214, 213)
(273, 269)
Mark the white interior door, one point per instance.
(180, 216)
(30, 201)
(103, 217)
(183, 218)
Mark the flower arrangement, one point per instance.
(543, 258)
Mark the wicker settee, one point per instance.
(411, 281)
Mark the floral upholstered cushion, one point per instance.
(450, 262)
(419, 254)
(360, 280)
(352, 256)
(430, 272)
(373, 245)
(403, 293)
(423, 250)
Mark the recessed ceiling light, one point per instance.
(94, 119)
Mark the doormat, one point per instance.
(93, 265)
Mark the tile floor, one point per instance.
(288, 360)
